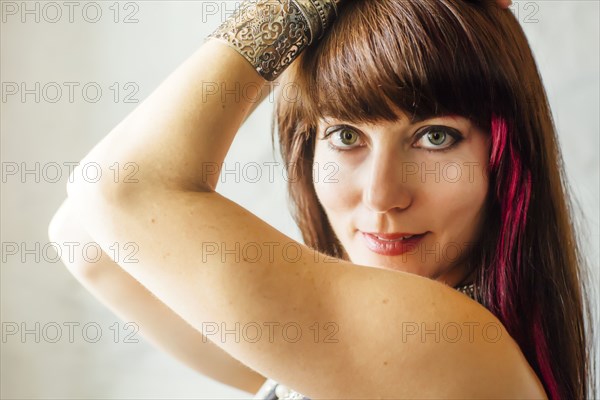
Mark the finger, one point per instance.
(504, 3)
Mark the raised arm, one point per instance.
(349, 317)
(132, 302)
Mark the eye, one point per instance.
(343, 138)
(438, 138)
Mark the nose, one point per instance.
(386, 186)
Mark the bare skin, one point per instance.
(422, 178)
(133, 303)
(172, 211)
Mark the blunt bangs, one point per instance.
(378, 56)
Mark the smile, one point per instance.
(392, 244)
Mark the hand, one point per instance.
(504, 3)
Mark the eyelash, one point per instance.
(453, 133)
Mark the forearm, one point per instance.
(177, 131)
(172, 213)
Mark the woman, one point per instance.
(446, 175)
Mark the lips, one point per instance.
(392, 244)
(391, 236)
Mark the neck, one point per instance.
(456, 276)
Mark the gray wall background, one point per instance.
(137, 48)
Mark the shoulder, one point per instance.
(488, 364)
(425, 339)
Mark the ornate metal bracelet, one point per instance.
(270, 34)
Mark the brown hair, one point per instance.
(467, 58)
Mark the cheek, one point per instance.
(464, 187)
(458, 205)
(332, 186)
(326, 193)
(335, 187)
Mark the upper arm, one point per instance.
(323, 326)
(132, 302)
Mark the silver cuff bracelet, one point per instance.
(270, 34)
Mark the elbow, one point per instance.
(56, 227)
(57, 235)
(65, 232)
(97, 194)
(81, 188)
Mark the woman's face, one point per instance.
(426, 178)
